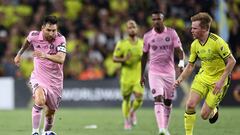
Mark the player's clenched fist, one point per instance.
(177, 83)
(17, 60)
(39, 54)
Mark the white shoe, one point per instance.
(163, 131)
(49, 133)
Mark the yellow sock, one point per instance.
(189, 120)
(136, 104)
(125, 108)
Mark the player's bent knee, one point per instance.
(138, 95)
(39, 102)
(139, 98)
(159, 98)
(167, 102)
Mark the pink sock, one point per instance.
(36, 116)
(167, 112)
(159, 113)
(48, 123)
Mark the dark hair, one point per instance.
(50, 19)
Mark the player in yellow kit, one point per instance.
(128, 52)
(212, 80)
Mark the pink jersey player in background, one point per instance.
(160, 43)
(47, 77)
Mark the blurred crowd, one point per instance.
(92, 28)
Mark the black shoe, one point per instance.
(214, 118)
(35, 133)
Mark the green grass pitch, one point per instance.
(109, 122)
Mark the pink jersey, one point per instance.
(46, 73)
(160, 47)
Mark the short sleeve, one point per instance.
(223, 48)
(146, 45)
(62, 46)
(118, 52)
(176, 40)
(193, 54)
(32, 35)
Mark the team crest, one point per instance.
(167, 39)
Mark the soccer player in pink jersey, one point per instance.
(160, 43)
(46, 79)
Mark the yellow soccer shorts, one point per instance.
(206, 91)
(129, 88)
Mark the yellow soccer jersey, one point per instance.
(212, 55)
(131, 69)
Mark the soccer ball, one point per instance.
(49, 133)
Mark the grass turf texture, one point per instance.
(109, 122)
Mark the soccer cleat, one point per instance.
(49, 133)
(35, 133)
(127, 125)
(133, 118)
(214, 118)
(162, 131)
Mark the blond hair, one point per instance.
(132, 22)
(204, 18)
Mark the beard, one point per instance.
(50, 38)
(132, 34)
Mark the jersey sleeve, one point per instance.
(62, 46)
(193, 53)
(32, 35)
(223, 48)
(146, 45)
(176, 40)
(118, 52)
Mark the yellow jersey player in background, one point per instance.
(212, 80)
(128, 52)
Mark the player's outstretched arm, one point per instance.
(17, 58)
(186, 72)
